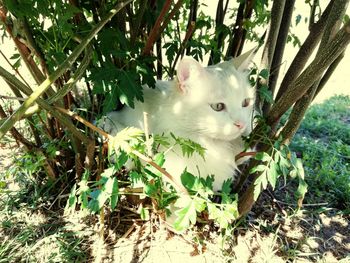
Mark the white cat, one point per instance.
(209, 105)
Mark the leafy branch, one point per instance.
(9, 123)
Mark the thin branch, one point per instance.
(154, 34)
(43, 104)
(298, 88)
(304, 52)
(279, 50)
(300, 107)
(270, 45)
(148, 142)
(33, 46)
(73, 80)
(17, 135)
(183, 44)
(134, 32)
(11, 98)
(244, 154)
(171, 15)
(219, 21)
(312, 13)
(236, 43)
(328, 74)
(22, 48)
(192, 19)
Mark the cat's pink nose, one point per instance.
(239, 125)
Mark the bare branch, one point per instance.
(298, 88)
(300, 107)
(154, 34)
(279, 50)
(304, 52)
(270, 45)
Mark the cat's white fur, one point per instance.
(184, 107)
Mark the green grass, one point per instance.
(31, 228)
(324, 141)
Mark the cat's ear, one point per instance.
(188, 70)
(242, 62)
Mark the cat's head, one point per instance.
(215, 101)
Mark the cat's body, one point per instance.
(211, 106)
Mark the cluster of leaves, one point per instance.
(129, 145)
(280, 162)
(124, 149)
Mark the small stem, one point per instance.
(148, 142)
(188, 35)
(244, 154)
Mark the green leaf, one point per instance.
(188, 146)
(227, 186)
(185, 216)
(257, 191)
(264, 180)
(84, 190)
(162, 140)
(260, 184)
(15, 56)
(199, 204)
(72, 199)
(109, 172)
(135, 177)
(265, 93)
(98, 199)
(111, 189)
(213, 211)
(258, 168)
(144, 213)
(121, 161)
(262, 156)
(188, 180)
(272, 174)
(159, 159)
(300, 169)
(302, 189)
(283, 165)
(150, 190)
(129, 87)
(122, 139)
(223, 216)
(227, 216)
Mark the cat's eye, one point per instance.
(246, 102)
(218, 106)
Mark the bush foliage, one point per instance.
(90, 57)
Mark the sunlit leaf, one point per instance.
(111, 189)
(187, 215)
(272, 174)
